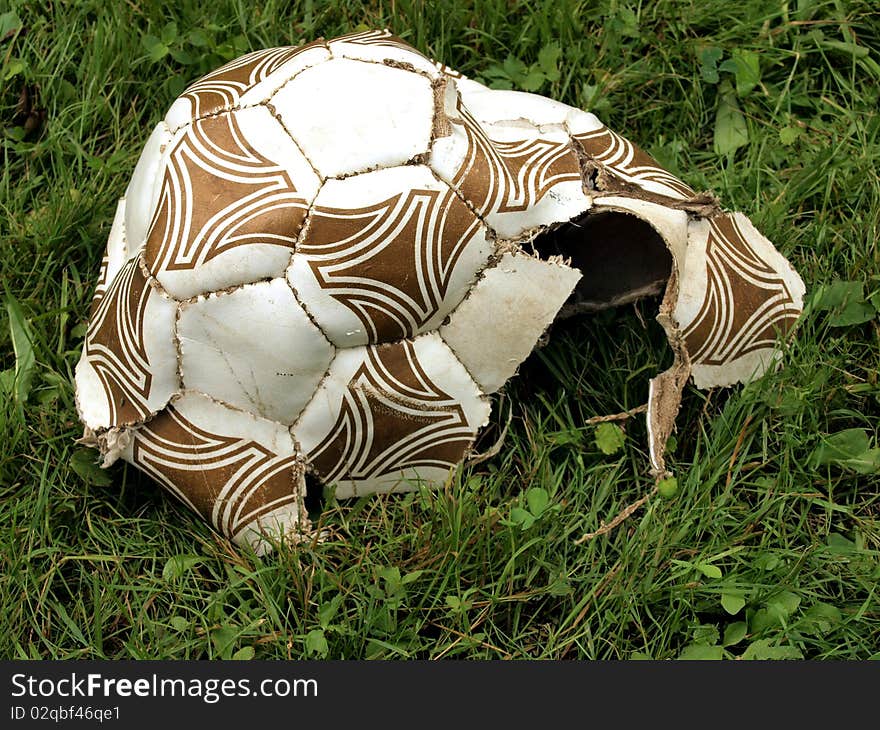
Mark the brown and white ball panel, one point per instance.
(492, 107)
(240, 473)
(115, 255)
(245, 81)
(128, 367)
(391, 417)
(737, 296)
(516, 177)
(376, 116)
(497, 326)
(381, 46)
(545, 184)
(254, 348)
(387, 254)
(235, 193)
(629, 162)
(142, 194)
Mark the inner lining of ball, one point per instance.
(622, 258)
(314, 496)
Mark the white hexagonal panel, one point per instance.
(386, 255)
(244, 81)
(352, 116)
(254, 348)
(235, 192)
(497, 326)
(305, 57)
(142, 194)
(380, 46)
(390, 417)
(491, 106)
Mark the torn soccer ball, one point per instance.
(329, 257)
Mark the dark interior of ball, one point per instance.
(621, 257)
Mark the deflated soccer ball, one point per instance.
(330, 257)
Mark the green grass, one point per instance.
(761, 548)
